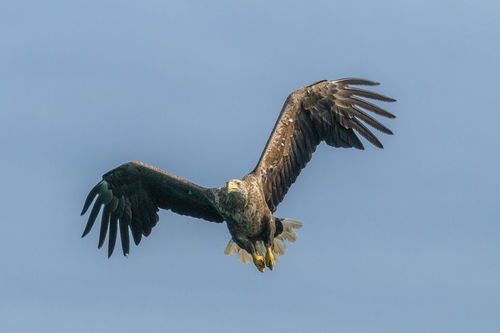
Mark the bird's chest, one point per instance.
(244, 215)
(247, 220)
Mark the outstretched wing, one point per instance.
(329, 111)
(131, 195)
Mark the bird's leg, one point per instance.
(258, 261)
(270, 262)
(268, 237)
(249, 246)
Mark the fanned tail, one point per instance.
(232, 248)
(287, 234)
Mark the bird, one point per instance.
(333, 111)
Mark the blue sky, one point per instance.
(404, 239)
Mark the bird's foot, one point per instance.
(259, 262)
(270, 259)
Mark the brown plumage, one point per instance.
(324, 111)
(330, 111)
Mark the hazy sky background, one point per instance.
(405, 239)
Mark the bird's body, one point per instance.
(325, 111)
(239, 207)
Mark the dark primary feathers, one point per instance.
(329, 111)
(131, 195)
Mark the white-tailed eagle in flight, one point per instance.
(330, 111)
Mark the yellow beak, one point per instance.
(231, 186)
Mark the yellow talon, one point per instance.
(270, 259)
(259, 262)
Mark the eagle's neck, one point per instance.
(236, 201)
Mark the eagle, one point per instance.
(332, 111)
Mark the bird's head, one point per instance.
(236, 190)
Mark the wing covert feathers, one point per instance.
(330, 111)
(132, 195)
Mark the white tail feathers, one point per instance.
(233, 248)
(288, 233)
(279, 248)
